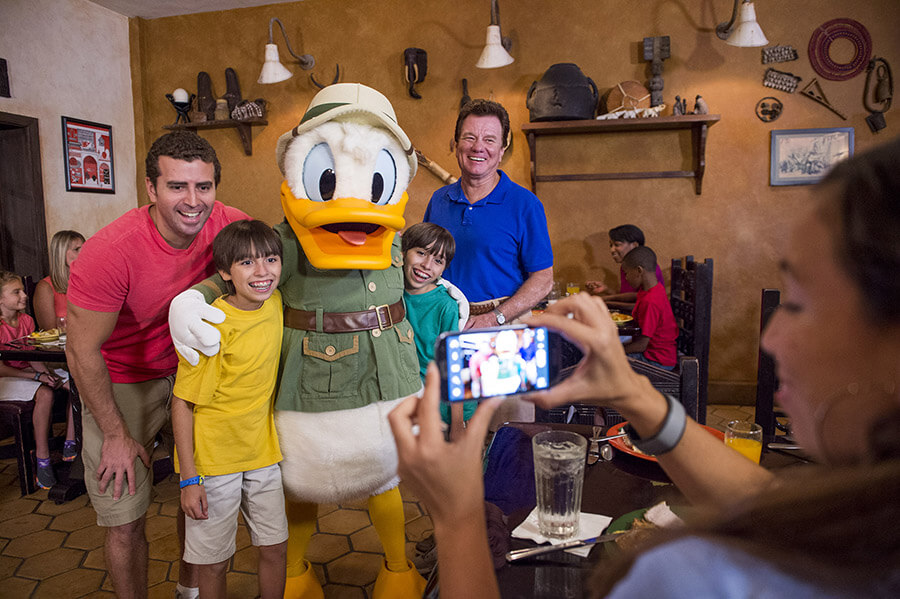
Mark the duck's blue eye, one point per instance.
(384, 180)
(318, 173)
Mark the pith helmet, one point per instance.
(349, 101)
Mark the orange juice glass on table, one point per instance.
(572, 288)
(745, 437)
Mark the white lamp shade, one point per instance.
(747, 32)
(273, 71)
(494, 55)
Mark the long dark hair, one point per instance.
(835, 527)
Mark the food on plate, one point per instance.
(619, 317)
(632, 446)
(48, 335)
(660, 516)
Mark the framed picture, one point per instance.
(88, 154)
(803, 156)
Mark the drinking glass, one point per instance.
(572, 288)
(745, 437)
(559, 458)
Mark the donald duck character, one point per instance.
(348, 354)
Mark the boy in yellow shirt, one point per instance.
(222, 413)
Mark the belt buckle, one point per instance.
(385, 321)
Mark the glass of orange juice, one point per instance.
(745, 437)
(572, 288)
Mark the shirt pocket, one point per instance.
(330, 364)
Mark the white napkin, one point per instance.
(589, 525)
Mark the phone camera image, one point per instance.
(483, 364)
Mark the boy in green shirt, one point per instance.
(427, 250)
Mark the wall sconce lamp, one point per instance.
(745, 32)
(275, 72)
(496, 48)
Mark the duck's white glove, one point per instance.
(461, 300)
(188, 314)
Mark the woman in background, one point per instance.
(50, 293)
(825, 531)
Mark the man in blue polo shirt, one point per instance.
(504, 262)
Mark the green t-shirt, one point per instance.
(431, 314)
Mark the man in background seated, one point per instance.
(652, 311)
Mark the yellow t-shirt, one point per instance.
(233, 392)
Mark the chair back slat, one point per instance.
(766, 382)
(691, 299)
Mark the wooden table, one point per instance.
(70, 479)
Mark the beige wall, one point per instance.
(739, 220)
(69, 58)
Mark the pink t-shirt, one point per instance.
(653, 313)
(8, 333)
(127, 267)
(59, 299)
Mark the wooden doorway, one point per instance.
(23, 230)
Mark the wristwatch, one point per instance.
(500, 318)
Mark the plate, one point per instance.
(623, 523)
(620, 318)
(620, 444)
(44, 336)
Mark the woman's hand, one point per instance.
(604, 376)
(596, 287)
(446, 476)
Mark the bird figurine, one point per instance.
(700, 106)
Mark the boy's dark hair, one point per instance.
(181, 145)
(627, 233)
(244, 239)
(422, 235)
(484, 108)
(641, 256)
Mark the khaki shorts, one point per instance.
(146, 409)
(259, 496)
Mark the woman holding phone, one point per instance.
(828, 531)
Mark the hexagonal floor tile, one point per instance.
(356, 569)
(343, 522)
(73, 583)
(324, 547)
(48, 564)
(23, 525)
(38, 542)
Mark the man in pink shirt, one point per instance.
(119, 349)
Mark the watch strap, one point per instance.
(669, 434)
(501, 318)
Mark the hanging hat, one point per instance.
(353, 102)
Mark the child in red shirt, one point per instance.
(24, 381)
(652, 311)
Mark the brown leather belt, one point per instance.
(479, 308)
(381, 317)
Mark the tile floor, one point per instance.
(50, 551)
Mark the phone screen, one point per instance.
(487, 363)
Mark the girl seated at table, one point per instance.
(50, 292)
(24, 381)
(827, 531)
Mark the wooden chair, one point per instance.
(29, 285)
(766, 382)
(691, 298)
(683, 384)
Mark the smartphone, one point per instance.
(478, 364)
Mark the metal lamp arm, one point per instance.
(723, 30)
(306, 61)
(495, 20)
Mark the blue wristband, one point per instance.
(196, 480)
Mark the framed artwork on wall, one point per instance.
(88, 155)
(803, 156)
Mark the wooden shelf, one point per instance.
(697, 123)
(243, 129)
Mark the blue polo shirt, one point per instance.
(500, 239)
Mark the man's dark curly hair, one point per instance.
(181, 145)
(484, 108)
